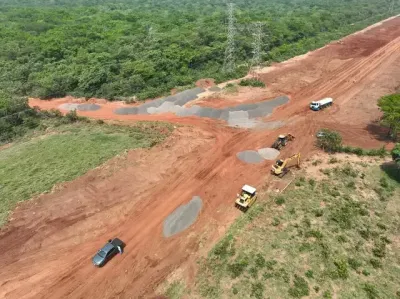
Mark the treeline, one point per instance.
(17, 118)
(114, 49)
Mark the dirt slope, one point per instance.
(46, 248)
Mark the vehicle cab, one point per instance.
(315, 106)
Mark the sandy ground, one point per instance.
(46, 248)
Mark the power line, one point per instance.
(257, 40)
(229, 62)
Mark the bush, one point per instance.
(353, 263)
(300, 287)
(333, 160)
(276, 221)
(251, 82)
(341, 269)
(257, 290)
(371, 291)
(260, 261)
(280, 200)
(375, 263)
(331, 141)
(318, 212)
(309, 274)
(380, 249)
(327, 294)
(365, 272)
(237, 268)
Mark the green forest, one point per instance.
(117, 49)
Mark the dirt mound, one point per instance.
(205, 83)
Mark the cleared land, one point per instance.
(29, 168)
(331, 234)
(46, 250)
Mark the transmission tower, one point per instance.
(257, 40)
(229, 62)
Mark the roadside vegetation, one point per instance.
(331, 142)
(330, 234)
(390, 106)
(64, 151)
(132, 48)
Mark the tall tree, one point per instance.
(390, 106)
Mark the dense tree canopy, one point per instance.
(120, 48)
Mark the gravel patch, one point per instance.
(268, 153)
(89, 107)
(251, 157)
(214, 88)
(183, 217)
(243, 115)
(68, 106)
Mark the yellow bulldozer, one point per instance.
(282, 140)
(281, 167)
(246, 198)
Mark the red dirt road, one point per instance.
(46, 248)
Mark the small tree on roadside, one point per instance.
(390, 106)
(330, 141)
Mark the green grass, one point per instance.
(332, 238)
(33, 166)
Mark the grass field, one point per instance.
(333, 233)
(32, 166)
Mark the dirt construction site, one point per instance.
(171, 203)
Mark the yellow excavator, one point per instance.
(282, 140)
(281, 167)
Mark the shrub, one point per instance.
(309, 274)
(311, 182)
(341, 269)
(257, 290)
(380, 249)
(260, 261)
(333, 160)
(351, 185)
(375, 263)
(276, 221)
(280, 200)
(327, 294)
(235, 290)
(72, 116)
(353, 263)
(371, 291)
(365, 272)
(316, 289)
(270, 264)
(331, 141)
(237, 268)
(318, 212)
(300, 287)
(358, 151)
(225, 247)
(314, 233)
(251, 82)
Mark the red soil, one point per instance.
(47, 246)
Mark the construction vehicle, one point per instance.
(282, 141)
(321, 104)
(246, 198)
(281, 167)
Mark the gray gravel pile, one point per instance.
(183, 217)
(68, 106)
(88, 107)
(251, 157)
(172, 103)
(268, 153)
(243, 115)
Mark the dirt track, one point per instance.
(46, 249)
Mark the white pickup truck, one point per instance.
(318, 105)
